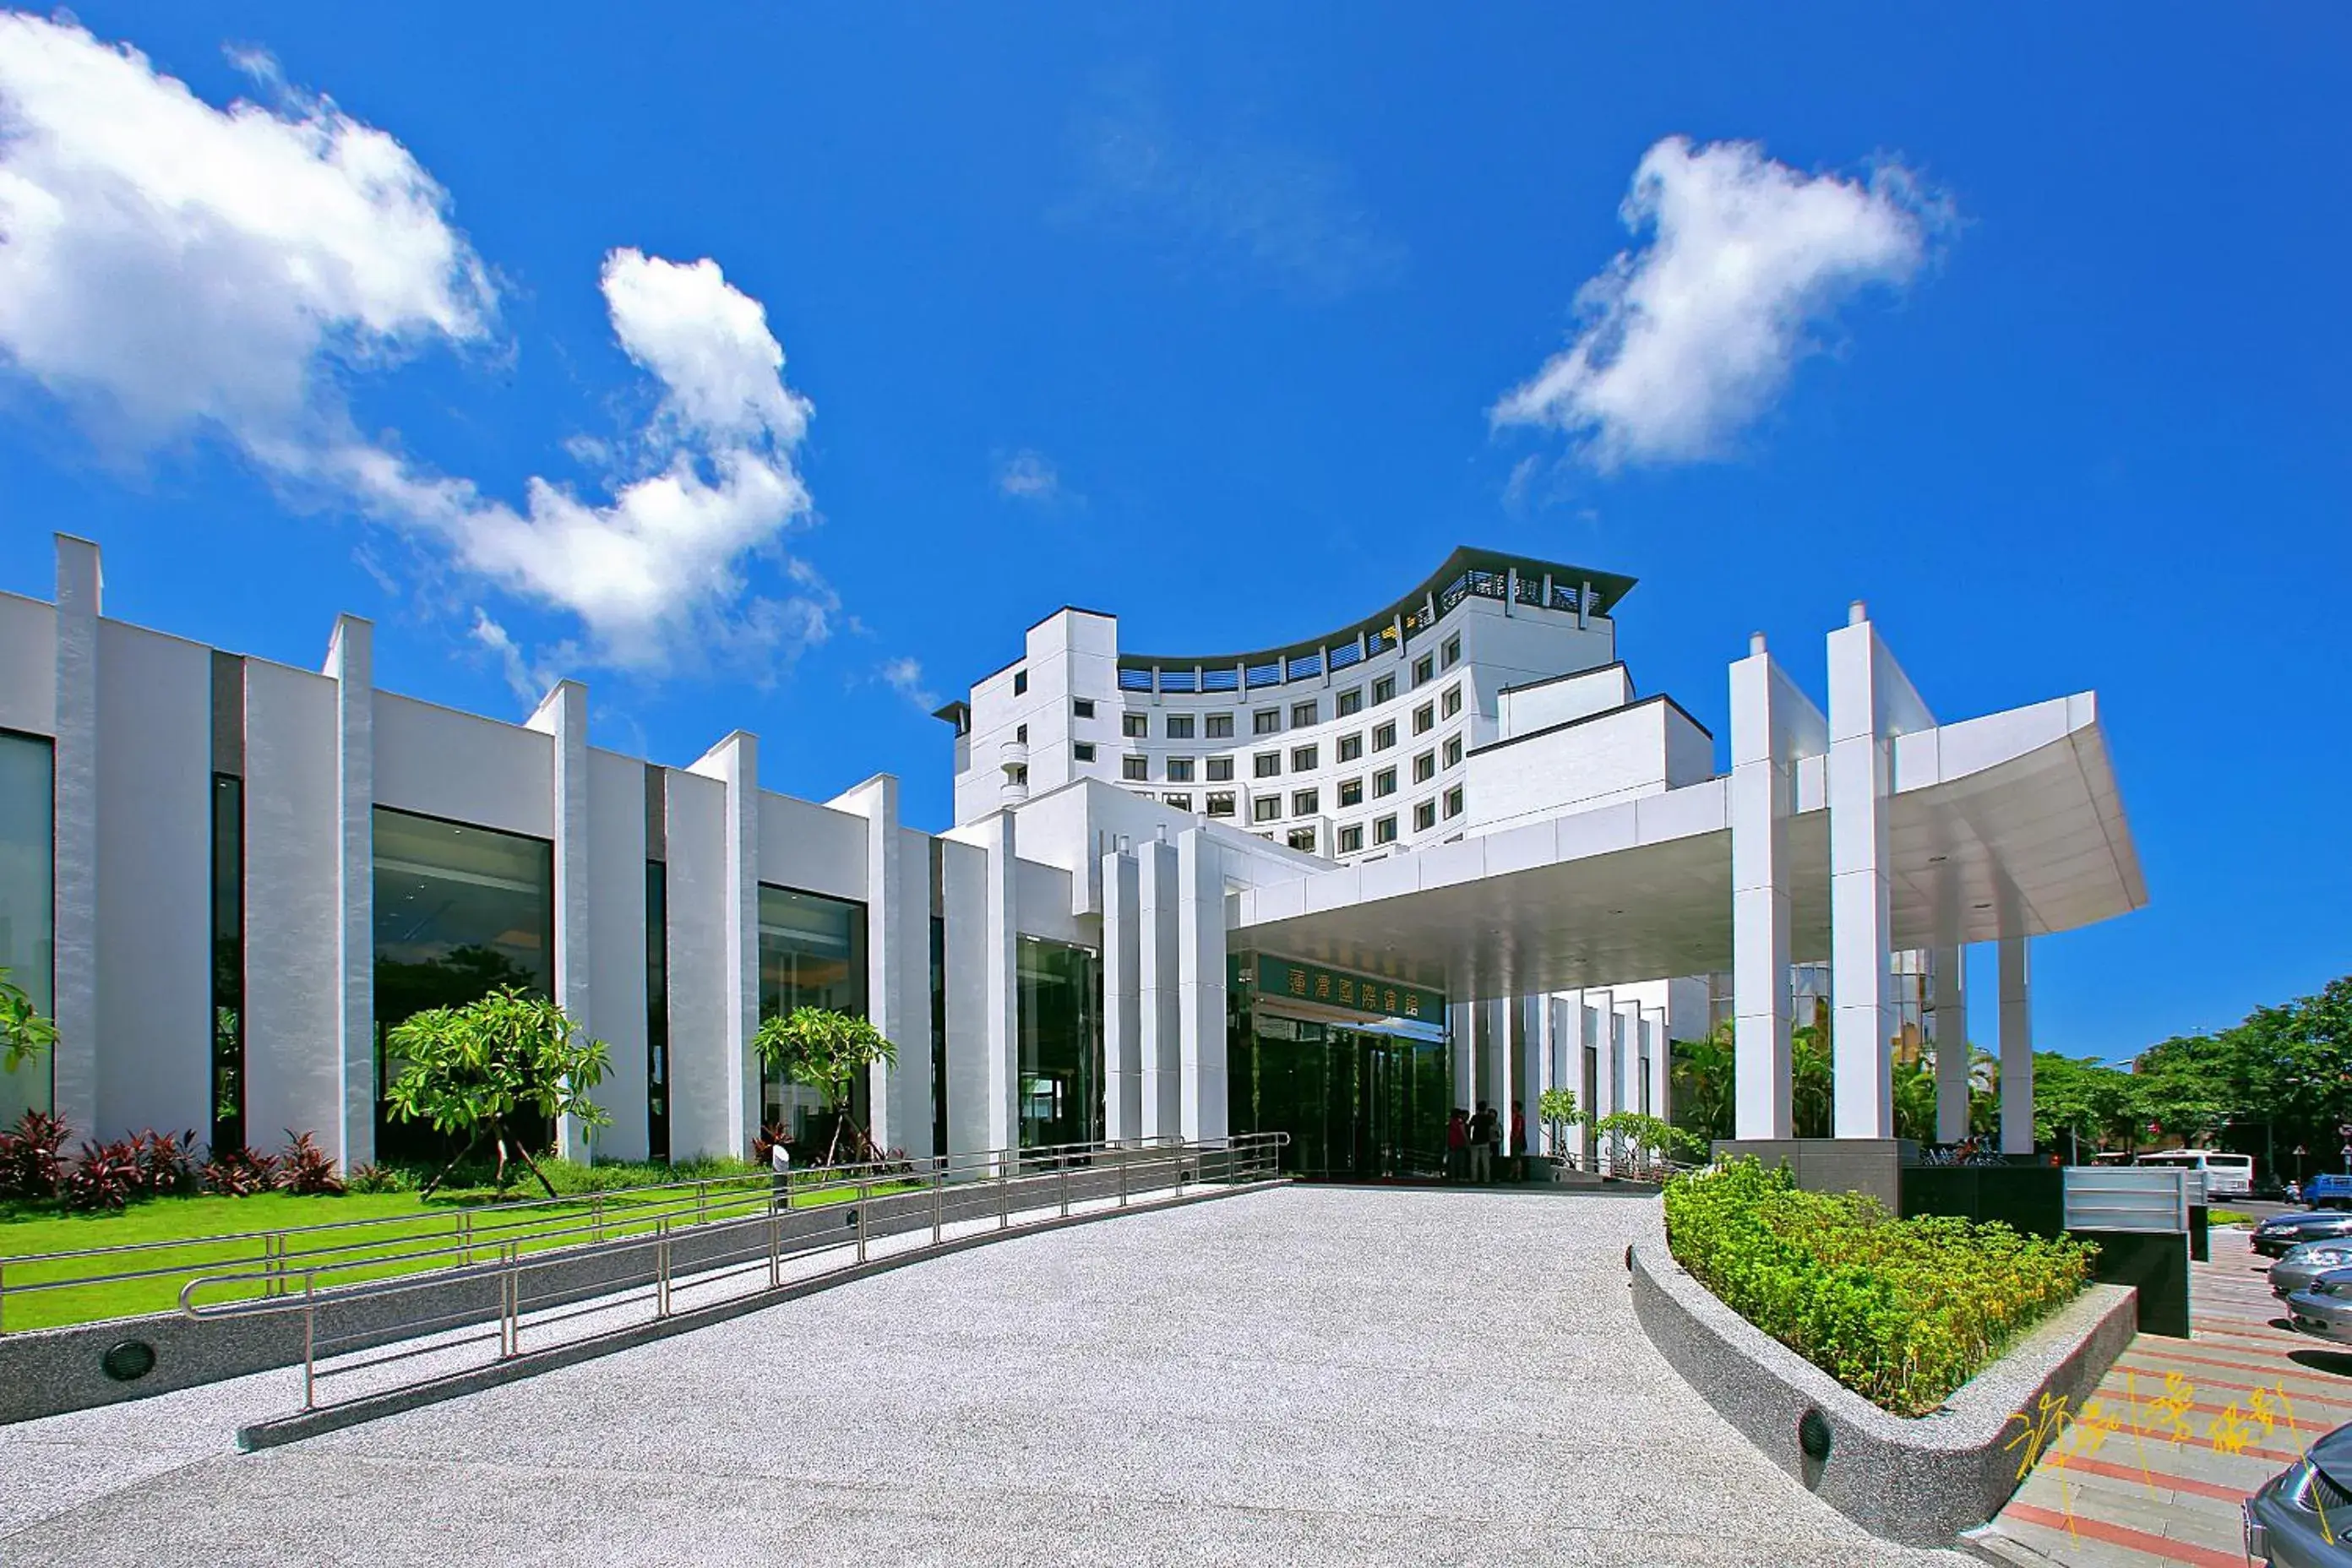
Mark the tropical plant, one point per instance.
(1703, 1074)
(239, 1172)
(166, 1162)
(32, 1157)
(24, 1033)
(1556, 1109)
(307, 1171)
(1645, 1135)
(1903, 1311)
(826, 1050)
(474, 1069)
(102, 1176)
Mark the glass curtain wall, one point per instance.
(28, 903)
(656, 1011)
(811, 954)
(459, 913)
(229, 961)
(1061, 1075)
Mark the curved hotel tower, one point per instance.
(1441, 856)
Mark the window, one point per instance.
(1179, 770)
(1425, 816)
(1020, 734)
(1351, 839)
(1351, 701)
(1453, 701)
(1305, 802)
(1180, 800)
(1303, 759)
(1221, 770)
(1082, 707)
(1453, 751)
(1221, 727)
(459, 912)
(1303, 838)
(228, 958)
(1265, 808)
(1425, 719)
(1424, 670)
(1383, 783)
(1020, 683)
(1352, 791)
(1384, 736)
(1083, 750)
(811, 954)
(1454, 801)
(1021, 775)
(1302, 714)
(1384, 830)
(1221, 803)
(1266, 765)
(1058, 1066)
(1452, 650)
(1134, 768)
(1179, 726)
(1266, 722)
(1134, 726)
(1351, 747)
(1424, 767)
(1384, 688)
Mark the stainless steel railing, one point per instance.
(279, 1258)
(998, 1186)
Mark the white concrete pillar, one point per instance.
(623, 794)
(1158, 996)
(1528, 1075)
(1626, 1057)
(351, 662)
(1200, 985)
(1122, 940)
(963, 901)
(1771, 726)
(1462, 1048)
(1001, 1119)
(2016, 1047)
(890, 998)
(562, 716)
(734, 764)
(1866, 712)
(73, 1062)
(1661, 1049)
(1949, 1000)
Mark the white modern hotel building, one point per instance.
(1440, 855)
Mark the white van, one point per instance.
(2226, 1176)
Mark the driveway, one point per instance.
(1308, 1375)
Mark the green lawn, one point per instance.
(207, 1234)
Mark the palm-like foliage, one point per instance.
(473, 1069)
(828, 1051)
(24, 1033)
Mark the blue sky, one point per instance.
(1063, 290)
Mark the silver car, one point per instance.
(2325, 1309)
(2301, 1267)
(2303, 1517)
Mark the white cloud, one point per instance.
(905, 676)
(1686, 340)
(521, 680)
(168, 268)
(1028, 476)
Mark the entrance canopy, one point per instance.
(2001, 827)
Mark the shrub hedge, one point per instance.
(1903, 1311)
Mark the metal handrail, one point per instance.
(1261, 1152)
(479, 1227)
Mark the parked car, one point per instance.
(2325, 1309)
(2282, 1234)
(2310, 1263)
(2285, 1527)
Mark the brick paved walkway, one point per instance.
(2153, 1467)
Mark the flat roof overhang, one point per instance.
(2005, 825)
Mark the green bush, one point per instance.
(1903, 1311)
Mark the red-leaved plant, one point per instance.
(240, 1172)
(32, 1157)
(304, 1169)
(102, 1175)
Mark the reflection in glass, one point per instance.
(229, 961)
(27, 901)
(811, 954)
(459, 912)
(1060, 1079)
(656, 1011)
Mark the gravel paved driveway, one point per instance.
(1302, 1375)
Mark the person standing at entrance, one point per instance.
(1484, 1130)
(1519, 1140)
(1457, 1145)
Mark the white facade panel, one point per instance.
(812, 849)
(437, 762)
(704, 1080)
(28, 653)
(616, 1013)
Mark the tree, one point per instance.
(24, 1033)
(1556, 1110)
(1645, 1133)
(472, 1069)
(1704, 1076)
(2078, 1099)
(826, 1050)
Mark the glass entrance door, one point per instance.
(1357, 1105)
